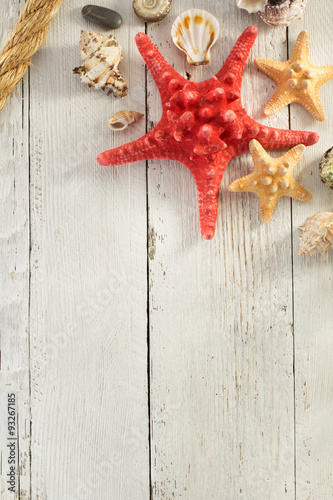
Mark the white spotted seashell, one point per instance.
(275, 12)
(123, 119)
(282, 12)
(317, 234)
(195, 32)
(251, 6)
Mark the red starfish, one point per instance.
(203, 125)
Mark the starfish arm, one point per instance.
(299, 193)
(266, 208)
(208, 187)
(244, 184)
(258, 153)
(325, 73)
(235, 64)
(302, 48)
(273, 69)
(294, 155)
(312, 103)
(279, 100)
(145, 148)
(159, 68)
(272, 138)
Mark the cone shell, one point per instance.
(251, 5)
(101, 55)
(152, 10)
(195, 32)
(123, 119)
(317, 234)
(326, 168)
(282, 12)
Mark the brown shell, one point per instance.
(123, 119)
(282, 12)
(101, 56)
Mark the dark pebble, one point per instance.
(101, 15)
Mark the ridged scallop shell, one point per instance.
(123, 119)
(101, 55)
(251, 6)
(317, 234)
(282, 12)
(152, 10)
(326, 168)
(195, 32)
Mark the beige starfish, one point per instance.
(272, 178)
(298, 80)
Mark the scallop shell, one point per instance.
(101, 55)
(326, 168)
(152, 10)
(317, 234)
(123, 119)
(251, 6)
(282, 12)
(195, 32)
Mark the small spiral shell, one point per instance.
(317, 234)
(152, 10)
(123, 119)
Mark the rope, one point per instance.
(25, 39)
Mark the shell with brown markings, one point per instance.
(101, 56)
(317, 234)
(275, 12)
(123, 119)
(195, 32)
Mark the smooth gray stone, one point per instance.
(101, 15)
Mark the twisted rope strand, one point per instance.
(25, 39)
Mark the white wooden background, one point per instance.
(148, 363)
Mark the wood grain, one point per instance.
(220, 312)
(235, 373)
(88, 279)
(14, 271)
(313, 288)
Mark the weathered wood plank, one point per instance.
(14, 272)
(88, 279)
(313, 287)
(221, 339)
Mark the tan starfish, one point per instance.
(272, 178)
(298, 80)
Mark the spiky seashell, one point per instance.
(101, 55)
(195, 32)
(251, 6)
(318, 234)
(123, 119)
(152, 10)
(326, 168)
(282, 12)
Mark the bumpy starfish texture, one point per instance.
(203, 125)
(298, 80)
(272, 178)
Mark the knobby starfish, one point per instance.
(272, 178)
(203, 125)
(298, 80)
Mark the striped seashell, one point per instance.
(123, 119)
(101, 55)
